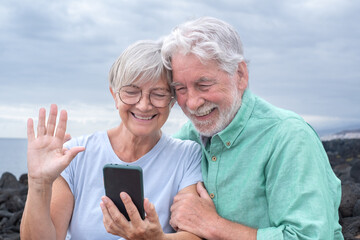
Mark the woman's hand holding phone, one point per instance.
(137, 228)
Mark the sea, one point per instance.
(13, 156)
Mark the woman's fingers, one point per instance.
(114, 221)
(67, 137)
(109, 224)
(61, 128)
(151, 214)
(50, 127)
(52, 120)
(130, 207)
(41, 129)
(71, 153)
(30, 130)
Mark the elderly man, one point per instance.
(266, 173)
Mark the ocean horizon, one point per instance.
(13, 156)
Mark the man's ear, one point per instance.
(243, 76)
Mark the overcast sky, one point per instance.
(303, 56)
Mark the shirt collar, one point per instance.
(233, 130)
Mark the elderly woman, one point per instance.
(66, 193)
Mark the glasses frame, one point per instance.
(141, 95)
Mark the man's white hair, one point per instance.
(207, 38)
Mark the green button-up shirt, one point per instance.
(268, 170)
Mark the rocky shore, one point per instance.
(13, 194)
(344, 156)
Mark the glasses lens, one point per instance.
(130, 94)
(160, 97)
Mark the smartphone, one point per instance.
(124, 178)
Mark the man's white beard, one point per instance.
(225, 117)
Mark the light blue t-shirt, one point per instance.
(170, 166)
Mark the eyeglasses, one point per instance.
(159, 97)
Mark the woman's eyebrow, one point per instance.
(160, 88)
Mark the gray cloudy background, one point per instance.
(303, 56)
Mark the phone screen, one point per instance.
(124, 178)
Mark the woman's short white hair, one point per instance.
(207, 38)
(139, 63)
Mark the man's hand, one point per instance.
(197, 215)
(116, 223)
(193, 213)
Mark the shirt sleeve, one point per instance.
(302, 191)
(192, 173)
(68, 173)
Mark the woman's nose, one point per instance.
(144, 102)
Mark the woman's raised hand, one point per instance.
(46, 156)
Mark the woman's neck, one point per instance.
(129, 147)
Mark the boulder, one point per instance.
(355, 172)
(350, 195)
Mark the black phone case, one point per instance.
(124, 178)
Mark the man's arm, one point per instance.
(197, 214)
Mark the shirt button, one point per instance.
(228, 144)
(212, 195)
(213, 159)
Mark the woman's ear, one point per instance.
(114, 97)
(112, 91)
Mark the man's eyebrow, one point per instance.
(205, 79)
(200, 80)
(174, 84)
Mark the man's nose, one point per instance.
(194, 100)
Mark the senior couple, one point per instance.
(239, 169)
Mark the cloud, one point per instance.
(303, 54)
(319, 7)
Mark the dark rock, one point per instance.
(342, 171)
(24, 179)
(356, 211)
(10, 236)
(350, 195)
(12, 201)
(344, 157)
(355, 172)
(344, 148)
(8, 180)
(15, 203)
(351, 227)
(4, 213)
